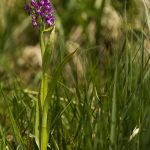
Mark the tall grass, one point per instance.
(101, 100)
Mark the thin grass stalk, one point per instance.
(2, 142)
(55, 144)
(114, 111)
(126, 78)
(141, 90)
(131, 65)
(127, 60)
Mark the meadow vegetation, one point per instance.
(102, 98)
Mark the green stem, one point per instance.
(43, 89)
(43, 93)
(44, 131)
(44, 82)
(46, 55)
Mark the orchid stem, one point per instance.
(43, 93)
(44, 80)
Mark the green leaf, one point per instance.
(45, 134)
(48, 51)
(49, 29)
(55, 80)
(37, 125)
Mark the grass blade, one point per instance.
(114, 113)
(14, 125)
(2, 140)
(37, 125)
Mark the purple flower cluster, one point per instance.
(40, 11)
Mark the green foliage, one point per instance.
(100, 102)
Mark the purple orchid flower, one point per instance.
(40, 10)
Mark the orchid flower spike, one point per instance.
(40, 12)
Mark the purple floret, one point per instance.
(33, 3)
(35, 24)
(26, 7)
(50, 20)
(40, 9)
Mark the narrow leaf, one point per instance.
(48, 51)
(37, 125)
(55, 80)
(55, 144)
(114, 111)
(2, 139)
